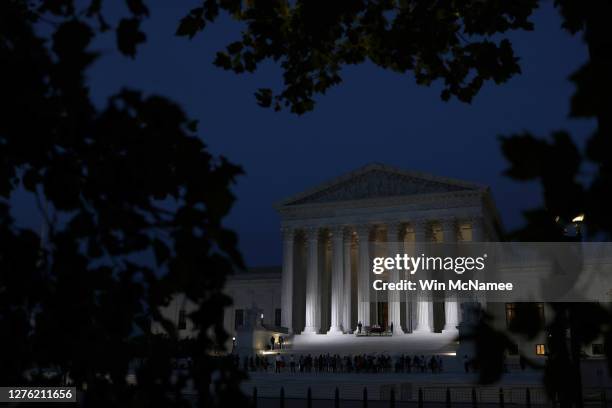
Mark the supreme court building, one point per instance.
(331, 232)
(321, 293)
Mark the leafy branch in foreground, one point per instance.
(574, 182)
(458, 43)
(133, 205)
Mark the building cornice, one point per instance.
(385, 202)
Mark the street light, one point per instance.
(578, 220)
(573, 228)
(569, 335)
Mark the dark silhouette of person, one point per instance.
(272, 343)
(278, 363)
(466, 364)
(359, 326)
(433, 364)
(391, 327)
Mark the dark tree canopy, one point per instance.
(460, 43)
(457, 42)
(574, 181)
(133, 178)
(132, 205)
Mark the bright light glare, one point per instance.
(578, 218)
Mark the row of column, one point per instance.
(341, 238)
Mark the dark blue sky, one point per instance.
(374, 116)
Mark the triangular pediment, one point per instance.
(379, 181)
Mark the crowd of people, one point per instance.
(326, 363)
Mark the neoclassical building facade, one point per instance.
(330, 234)
(315, 299)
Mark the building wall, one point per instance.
(249, 291)
(261, 292)
(253, 291)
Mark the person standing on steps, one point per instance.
(278, 363)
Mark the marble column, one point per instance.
(423, 304)
(451, 309)
(363, 273)
(393, 232)
(478, 234)
(287, 279)
(313, 295)
(337, 280)
(347, 295)
(409, 249)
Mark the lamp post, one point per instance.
(573, 317)
(564, 336)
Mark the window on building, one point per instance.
(238, 318)
(510, 313)
(540, 349)
(182, 321)
(597, 349)
(530, 312)
(277, 317)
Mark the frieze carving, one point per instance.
(430, 202)
(378, 183)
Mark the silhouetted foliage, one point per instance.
(132, 205)
(133, 178)
(490, 347)
(313, 40)
(573, 182)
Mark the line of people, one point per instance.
(326, 363)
